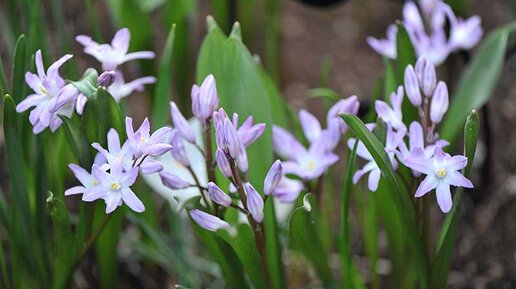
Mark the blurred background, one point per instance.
(304, 44)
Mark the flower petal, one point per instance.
(132, 201)
(428, 184)
(458, 180)
(443, 196)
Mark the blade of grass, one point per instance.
(162, 93)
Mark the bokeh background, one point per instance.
(304, 45)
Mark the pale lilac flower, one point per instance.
(348, 105)
(385, 47)
(178, 148)
(218, 196)
(205, 100)
(310, 125)
(143, 143)
(273, 177)
(287, 190)
(285, 144)
(411, 84)
(46, 86)
(114, 188)
(172, 181)
(150, 166)
(181, 124)
(254, 202)
(207, 221)
(120, 89)
(116, 154)
(441, 172)
(439, 104)
(106, 78)
(87, 180)
(393, 139)
(229, 142)
(223, 163)
(247, 132)
(114, 54)
(425, 71)
(392, 115)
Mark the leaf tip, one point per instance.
(236, 31)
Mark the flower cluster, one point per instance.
(427, 25)
(53, 96)
(116, 168)
(310, 163)
(424, 152)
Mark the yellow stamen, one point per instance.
(94, 182)
(441, 173)
(43, 90)
(115, 186)
(311, 165)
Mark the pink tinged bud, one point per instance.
(172, 181)
(207, 221)
(412, 86)
(273, 178)
(150, 166)
(218, 196)
(178, 150)
(429, 79)
(223, 163)
(254, 202)
(106, 78)
(439, 104)
(181, 123)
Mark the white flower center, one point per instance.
(94, 183)
(310, 165)
(441, 173)
(115, 186)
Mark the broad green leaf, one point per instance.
(273, 247)
(279, 107)
(304, 238)
(324, 92)
(379, 155)
(405, 56)
(67, 245)
(446, 242)
(244, 244)
(20, 66)
(3, 82)
(390, 83)
(162, 93)
(478, 81)
(78, 141)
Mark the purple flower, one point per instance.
(121, 89)
(228, 140)
(207, 221)
(254, 202)
(205, 100)
(115, 154)
(178, 149)
(143, 143)
(218, 196)
(439, 104)
(393, 139)
(46, 86)
(114, 54)
(348, 105)
(287, 190)
(172, 181)
(181, 124)
(87, 180)
(150, 166)
(441, 173)
(223, 163)
(247, 132)
(412, 86)
(392, 116)
(425, 72)
(114, 188)
(106, 78)
(273, 177)
(385, 47)
(285, 144)
(310, 125)
(464, 34)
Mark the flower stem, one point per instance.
(91, 240)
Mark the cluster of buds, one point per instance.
(424, 152)
(116, 168)
(426, 25)
(53, 96)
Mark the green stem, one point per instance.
(91, 240)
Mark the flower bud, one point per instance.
(106, 78)
(429, 79)
(231, 140)
(242, 162)
(254, 202)
(273, 178)
(172, 181)
(150, 166)
(218, 196)
(181, 123)
(223, 163)
(178, 149)
(219, 116)
(287, 190)
(412, 86)
(207, 221)
(420, 69)
(439, 104)
(205, 99)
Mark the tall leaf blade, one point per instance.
(161, 96)
(19, 68)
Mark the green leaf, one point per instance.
(78, 141)
(446, 242)
(67, 245)
(20, 66)
(3, 82)
(305, 238)
(377, 151)
(87, 85)
(390, 83)
(405, 51)
(324, 92)
(478, 81)
(161, 96)
(243, 243)
(273, 247)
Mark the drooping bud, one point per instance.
(150, 166)
(223, 163)
(178, 149)
(207, 221)
(181, 123)
(412, 86)
(172, 181)
(254, 202)
(106, 78)
(440, 102)
(273, 178)
(218, 196)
